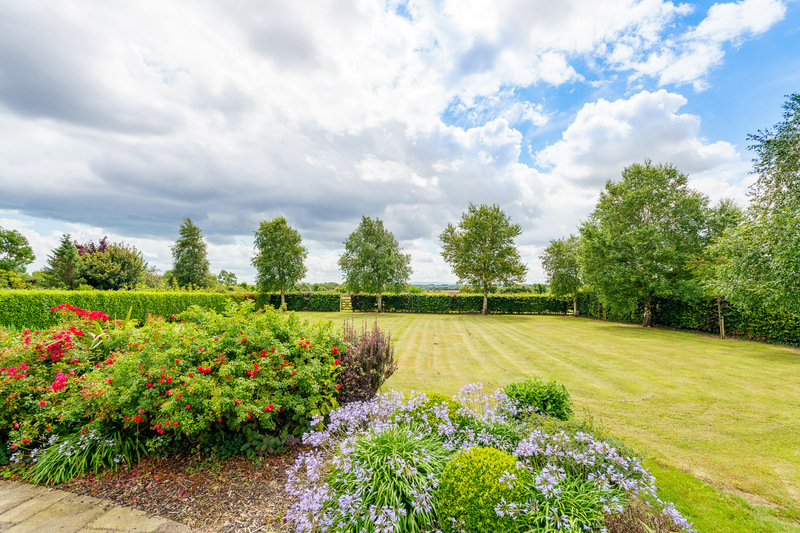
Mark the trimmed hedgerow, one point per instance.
(31, 309)
(462, 303)
(295, 301)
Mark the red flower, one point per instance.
(43, 403)
(335, 350)
(191, 375)
(188, 406)
(336, 363)
(174, 424)
(110, 381)
(337, 387)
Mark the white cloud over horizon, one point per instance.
(121, 121)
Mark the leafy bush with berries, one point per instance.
(237, 381)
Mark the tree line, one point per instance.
(649, 236)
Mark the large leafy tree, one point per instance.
(372, 260)
(280, 258)
(117, 267)
(15, 251)
(189, 255)
(760, 258)
(560, 261)
(481, 250)
(721, 217)
(63, 270)
(641, 238)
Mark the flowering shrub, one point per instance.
(201, 377)
(540, 480)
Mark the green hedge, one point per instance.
(295, 301)
(461, 303)
(31, 309)
(702, 315)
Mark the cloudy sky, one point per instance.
(121, 119)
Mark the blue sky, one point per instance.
(121, 120)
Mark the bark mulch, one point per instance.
(236, 495)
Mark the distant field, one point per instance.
(727, 412)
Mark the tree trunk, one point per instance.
(283, 300)
(648, 313)
(720, 318)
(575, 305)
(485, 300)
(603, 308)
(380, 302)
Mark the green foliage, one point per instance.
(63, 270)
(372, 261)
(301, 301)
(79, 453)
(561, 262)
(31, 309)
(261, 376)
(189, 254)
(279, 256)
(367, 360)
(462, 303)
(11, 279)
(226, 278)
(470, 489)
(760, 266)
(118, 267)
(481, 249)
(549, 398)
(397, 462)
(640, 240)
(15, 251)
(425, 411)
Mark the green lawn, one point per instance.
(727, 412)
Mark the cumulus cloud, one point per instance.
(121, 120)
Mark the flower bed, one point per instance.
(91, 392)
(407, 464)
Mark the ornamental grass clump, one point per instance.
(381, 465)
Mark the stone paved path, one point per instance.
(31, 509)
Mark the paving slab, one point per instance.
(31, 509)
(13, 494)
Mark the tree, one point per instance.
(760, 263)
(63, 270)
(279, 257)
(189, 254)
(372, 261)
(641, 238)
(15, 251)
(226, 278)
(725, 215)
(115, 268)
(561, 262)
(481, 249)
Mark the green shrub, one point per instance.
(295, 301)
(386, 473)
(473, 484)
(547, 398)
(425, 412)
(255, 377)
(31, 309)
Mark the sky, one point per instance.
(121, 119)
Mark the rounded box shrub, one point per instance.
(473, 484)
